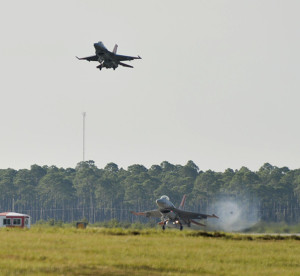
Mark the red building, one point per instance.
(11, 219)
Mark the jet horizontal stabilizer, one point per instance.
(125, 65)
(197, 223)
(138, 213)
(212, 216)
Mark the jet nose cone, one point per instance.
(159, 201)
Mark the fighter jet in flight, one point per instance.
(172, 216)
(108, 59)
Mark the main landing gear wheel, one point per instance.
(164, 226)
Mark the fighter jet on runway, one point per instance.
(172, 216)
(108, 59)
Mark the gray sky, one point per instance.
(218, 83)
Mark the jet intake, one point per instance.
(171, 215)
(172, 224)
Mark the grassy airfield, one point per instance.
(99, 251)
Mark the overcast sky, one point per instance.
(217, 83)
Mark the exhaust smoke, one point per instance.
(234, 215)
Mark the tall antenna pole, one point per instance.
(83, 135)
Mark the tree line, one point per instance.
(86, 191)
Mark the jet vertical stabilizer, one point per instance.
(181, 206)
(115, 49)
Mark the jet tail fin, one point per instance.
(115, 49)
(181, 206)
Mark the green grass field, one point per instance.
(95, 251)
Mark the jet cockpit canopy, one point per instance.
(100, 44)
(165, 197)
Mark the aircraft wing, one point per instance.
(91, 58)
(122, 58)
(148, 214)
(192, 215)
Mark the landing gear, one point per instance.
(164, 226)
(100, 66)
(181, 227)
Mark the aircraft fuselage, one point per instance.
(104, 56)
(166, 208)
